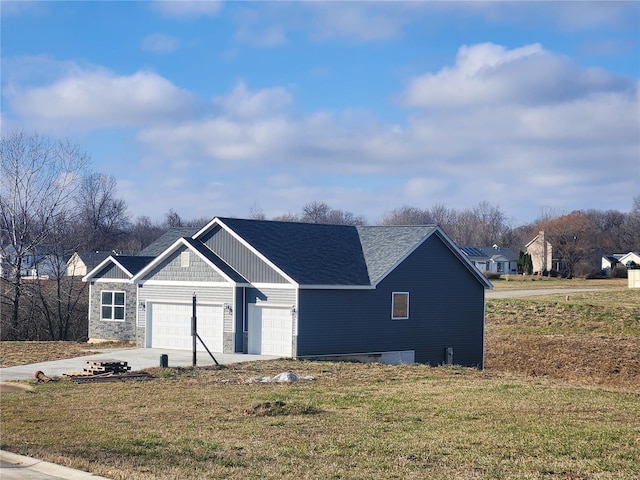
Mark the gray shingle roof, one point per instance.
(166, 240)
(309, 253)
(490, 252)
(133, 263)
(318, 254)
(384, 246)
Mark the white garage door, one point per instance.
(270, 331)
(171, 326)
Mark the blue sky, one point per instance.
(219, 108)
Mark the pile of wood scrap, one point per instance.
(106, 371)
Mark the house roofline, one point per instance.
(172, 248)
(103, 264)
(218, 221)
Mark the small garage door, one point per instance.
(270, 331)
(171, 326)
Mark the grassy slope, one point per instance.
(557, 400)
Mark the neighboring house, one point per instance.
(630, 259)
(42, 262)
(81, 263)
(300, 290)
(609, 262)
(494, 259)
(541, 252)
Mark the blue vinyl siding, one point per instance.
(244, 261)
(446, 309)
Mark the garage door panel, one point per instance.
(270, 331)
(171, 326)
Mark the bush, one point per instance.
(619, 271)
(492, 275)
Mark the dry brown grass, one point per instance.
(24, 353)
(517, 282)
(559, 399)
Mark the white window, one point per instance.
(112, 305)
(399, 305)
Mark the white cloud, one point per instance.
(266, 37)
(88, 98)
(489, 74)
(247, 104)
(159, 43)
(188, 8)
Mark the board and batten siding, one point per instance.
(111, 271)
(196, 271)
(446, 310)
(244, 261)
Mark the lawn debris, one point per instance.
(106, 371)
(284, 377)
(41, 377)
(110, 377)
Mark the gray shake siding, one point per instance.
(112, 329)
(197, 271)
(441, 313)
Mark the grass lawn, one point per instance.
(559, 399)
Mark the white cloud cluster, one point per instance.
(159, 43)
(503, 125)
(85, 99)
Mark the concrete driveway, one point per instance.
(136, 358)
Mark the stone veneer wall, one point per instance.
(113, 329)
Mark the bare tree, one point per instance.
(172, 219)
(103, 215)
(407, 215)
(38, 181)
(256, 213)
(575, 241)
(315, 212)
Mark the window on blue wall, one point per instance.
(112, 305)
(399, 305)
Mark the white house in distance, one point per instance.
(495, 259)
(541, 253)
(82, 263)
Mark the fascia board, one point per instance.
(103, 264)
(256, 252)
(207, 227)
(337, 287)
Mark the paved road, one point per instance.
(531, 293)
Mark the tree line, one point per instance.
(52, 203)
